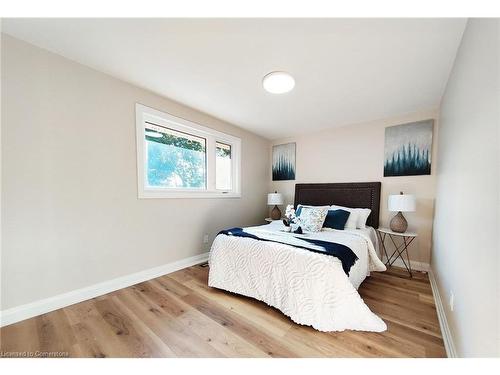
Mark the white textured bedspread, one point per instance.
(311, 288)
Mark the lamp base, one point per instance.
(398, 223)
(275, 213)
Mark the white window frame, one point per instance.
(146, 114)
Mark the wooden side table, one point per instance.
(400, 249)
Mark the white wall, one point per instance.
(355, 153)
(70, 215)
(466, 244)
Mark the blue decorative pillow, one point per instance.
(336, 219)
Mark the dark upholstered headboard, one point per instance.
(351, 194)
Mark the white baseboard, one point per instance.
(449, 345)
(46, 305)
(415, 266)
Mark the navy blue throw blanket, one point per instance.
(342, 252)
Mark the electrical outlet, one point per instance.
(452, 301)
(205, 238)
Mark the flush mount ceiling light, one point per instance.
(278, 82)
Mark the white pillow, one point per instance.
(352, 220)
(311, 219)
(363, 214)
(357, 218)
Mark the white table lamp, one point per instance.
(400, 203)
(275, 199)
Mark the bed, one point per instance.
(311, 288)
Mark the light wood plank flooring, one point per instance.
(178, 315)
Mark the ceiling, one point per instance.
(347, 71)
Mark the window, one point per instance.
(223, 167)
(174, 159)
(177, 158)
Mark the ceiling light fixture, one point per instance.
(278, 82)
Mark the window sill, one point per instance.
(186, 194)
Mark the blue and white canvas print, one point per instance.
(284, 162)
(408, 149)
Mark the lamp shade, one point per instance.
(402, 202)
(274, 199)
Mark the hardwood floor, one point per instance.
(178, 315)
